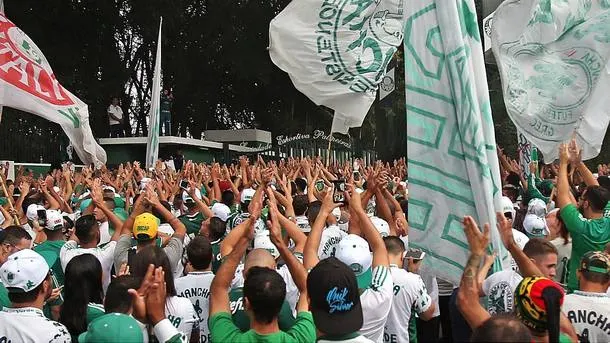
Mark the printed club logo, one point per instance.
(387, 84)
(23, 65)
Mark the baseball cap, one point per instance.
(354, 251)
(23, 271)
(530, 302)
(595, 262)
(221, 211)
(263, 241)
(538, 207)
(112, 327)
(144, 182)
(224, 185)
(187, 198)
(507, 206)
(32, 211)
(247, 194)
(381, 225)
(335, 298)
(55, 220)
(535, 226)
(145, 227)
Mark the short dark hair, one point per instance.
(109, 203)
(300, 204)
(13, 235)
(227, 197)
(117, 298)
(313, 210)
(199, 252)
(27, 297)
(597, 197)
(594, 277)
(394, 245)
(536, 247)
(84, 228)
(604, 181)
(158, 214)
(218, 228)
(501, 328)
(154, 255)
(265, 290)
(301, 184)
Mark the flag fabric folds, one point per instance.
(27, 83)
(336, 51)
(553, 58)
(453, 165)
(152, 144)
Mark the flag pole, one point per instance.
(328, 149)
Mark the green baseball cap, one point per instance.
(113, 327)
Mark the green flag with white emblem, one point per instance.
(453, 166)
(152, 145)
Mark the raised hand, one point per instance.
(477, 240)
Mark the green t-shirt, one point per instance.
(94, 311)
(4, 300)
(49, 250)
(587, 235)
(413, 328)
(192, 222)
(241, 319)
(224, 330)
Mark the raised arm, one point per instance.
(563, 184)
(200, 204)
(232, 239)
(526, 266)
(310, 253)
(98, 201)
(153, 200)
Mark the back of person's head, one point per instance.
(301, 184)
(604, 181)
(265, 291)
(300, 204)
(394, 245)
(16, 236)
(539, 247)
(85, 229)
(595, 268)
(597, 197)
(25, 275)
(158, 214)
(109, 202)
(313, 210)
(118, 299)
(227, 197)
(501, 328)
(154, 255)
(83, 285)
(199, 253)
(217, 228)
(259, 258)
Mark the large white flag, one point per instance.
(152, 145)
(337, 52)
(453, 165)
(27, 83)
(553, 58)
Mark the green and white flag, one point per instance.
(27, 83)
(554, 60)
(152, 145)
(453, 166)
(336, 52)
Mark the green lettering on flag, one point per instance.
(71, 115)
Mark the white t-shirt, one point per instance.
(376, 302)
(521, 239)
(196, 287)
(29, 324)
(354, 338)
(500, 289)
(303, 223)
(105, 235)
(104, 254)
(117, 112)
(564, 251)
(409, 293)
(331, 236)
(589, 313)
(182, 315)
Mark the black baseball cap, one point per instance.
(334, 298)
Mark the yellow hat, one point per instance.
(145, 227)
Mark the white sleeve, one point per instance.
(488, 283)
(292, 291)
(238, 278)
(107, 253)
(423, 301)
(166, 332)
(67, 252)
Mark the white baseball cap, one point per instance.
(354, 251)
(263, 241)
(535, 226)
(221, 211)
(187, 198)
(55, 220)
(538, 207)
(32, 211)
(381, 225)
(144, 182)
(23, 271)
(337, 213)
(508, 207)
(247, 194)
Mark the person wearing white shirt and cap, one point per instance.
(28, 280)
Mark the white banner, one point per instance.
(387, 85)
(553, 58)
(337, 52)
(27, 83)
(152, 144)
(453, 165)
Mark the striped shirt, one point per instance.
(376, 302)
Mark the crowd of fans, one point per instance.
(294, 251)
